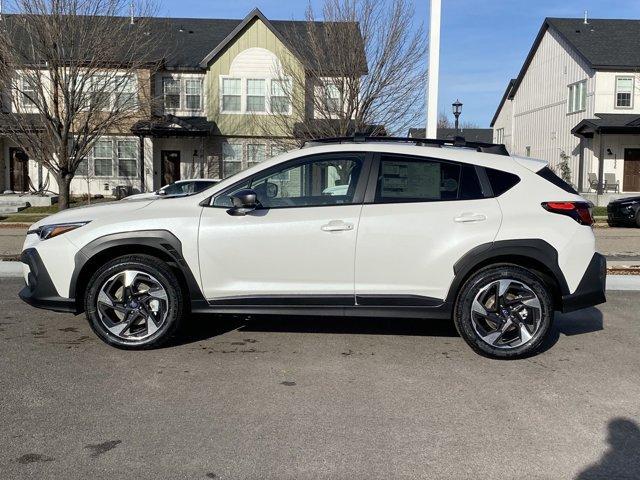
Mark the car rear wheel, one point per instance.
(135, 302)
(504, 311)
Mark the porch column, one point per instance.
(600, 163)
(141, 160)
(581, 166)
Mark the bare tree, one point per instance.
(75, 71)
(362, 70)
(444, 121)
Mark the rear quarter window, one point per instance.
(501, 181)
(550, 176)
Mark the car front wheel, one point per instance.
(504, 311)
(134, 301)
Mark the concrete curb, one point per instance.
(10, 269)
(614, 282)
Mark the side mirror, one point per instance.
(244, 201)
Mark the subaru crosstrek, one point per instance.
(366, 227)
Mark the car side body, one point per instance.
(366, 257)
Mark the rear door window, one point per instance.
(410, 179)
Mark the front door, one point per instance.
(631, 180)
(170, 167)
(424, 216)
(298, 247)
(18, 170)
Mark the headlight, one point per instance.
(50, 231)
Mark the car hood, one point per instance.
(93, 212)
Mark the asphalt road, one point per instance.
(318, 398)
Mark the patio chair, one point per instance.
(610, 183)
(593, 181)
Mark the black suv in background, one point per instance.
(624, 212)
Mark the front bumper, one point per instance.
(591, 289)
(39, 290)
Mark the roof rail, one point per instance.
(459, 142)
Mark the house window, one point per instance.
(127, 161)
(256, 95)
(231, 158)
(256, 153)
(102, 153)
(28, 93)
(624, 92)
(279, 96)
(277, 150)
(500, 135)
(577, 97)
(125, 95)
(193, 94)
(231, 94)
(332, 97)
(171, 91)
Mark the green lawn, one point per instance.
(599, 211)
(33, 214)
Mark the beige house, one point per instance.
(217, 96)
(577, 98)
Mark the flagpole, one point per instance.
(434, 69)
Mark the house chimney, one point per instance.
(132, 12)
(585, 18)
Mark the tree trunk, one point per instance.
(64, 186)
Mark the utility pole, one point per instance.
(434, 70)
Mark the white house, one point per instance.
(577, 98)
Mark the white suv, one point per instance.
(416, 229)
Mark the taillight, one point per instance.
(579, 211)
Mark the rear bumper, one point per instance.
(591, 290)
(39, 291)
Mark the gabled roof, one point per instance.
(602, 43)
(185, 43)
(254, 14)
(505, 96)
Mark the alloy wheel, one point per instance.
(506, 314)
(132, 305)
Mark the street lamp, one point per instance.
(457, 110)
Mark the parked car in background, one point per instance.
(181, 187)
(624, 212)
(495, 242)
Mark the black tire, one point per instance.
(485, 277)
(158, 270)
(638, 218)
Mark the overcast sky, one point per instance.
(483, 45)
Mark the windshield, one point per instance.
(187, 188)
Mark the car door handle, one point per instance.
(336, 226)
(470, 217)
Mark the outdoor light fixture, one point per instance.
(457, 110)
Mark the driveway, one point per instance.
(318, 398)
